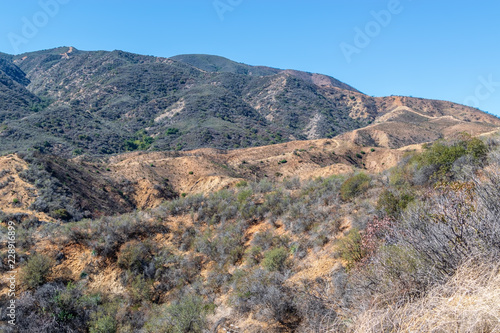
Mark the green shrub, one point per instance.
(36, 270)
(244, 195)
(254, 255)
(141, 141)
(351, 249)
(391, 204)
(354, 186)
(275, 259)
(189, 315)
(139, 289)
(242, 183)
(441, 155)
(172, 131)
(102, 323)
(61, 214)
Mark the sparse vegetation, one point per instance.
(413, 248)
(406, 242)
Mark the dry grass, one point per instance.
(469, 302)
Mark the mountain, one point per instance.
(69, 102)
(358, 226)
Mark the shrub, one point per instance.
(354, 186)
(468, 302)
(36, 270)
(135, 257)
(351, 248)
(55, 308)
(244, 195)
(393, 205)
(102, 323)
(451, 226)
(187, 315)
(242, 183)
(265, 291)
(139, 289)
(254, 255)
(442, 155)
(292, 183)
(172, 131)
(61, 214)
(275, 259)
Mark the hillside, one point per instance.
(411, 249)
(198, 194)
(92, 187)
(69, 102)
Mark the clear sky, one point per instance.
(446, 50)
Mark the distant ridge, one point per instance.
(70, 102)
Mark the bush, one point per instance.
(61, 214)
(103, 323)
(135, 257)
(393, 205)
(275, 259)
(172, 131)
(36, 270)
(452, 225)
(354, 186)
(442, 155)
(56, 308)
(468, 302)
(186, 316)
(242, 183)
(351, 248)
(254, 255)
(265, 291)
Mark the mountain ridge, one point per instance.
(70, 102)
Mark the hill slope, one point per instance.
(68, 102)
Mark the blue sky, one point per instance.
(446, 50)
